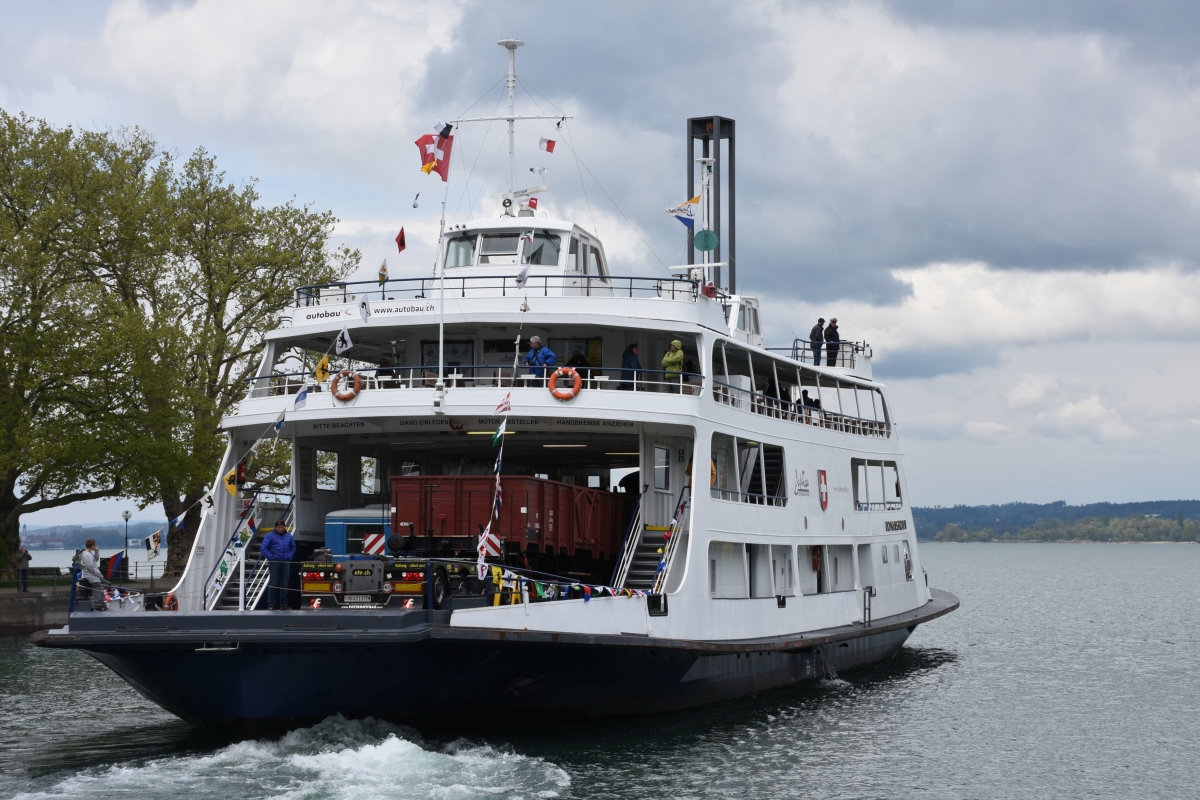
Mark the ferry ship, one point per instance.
(481, 539)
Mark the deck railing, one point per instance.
(768, 406)
(845, 355)
(486, 375)
(500, 286)
(747, 497)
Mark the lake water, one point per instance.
(1069, 671)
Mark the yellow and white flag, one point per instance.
(322, 371)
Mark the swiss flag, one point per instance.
(547, 145)
(435, 154)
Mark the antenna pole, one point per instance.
(511, 45)
(439, 391)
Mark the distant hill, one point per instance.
(71, 537)
(1039, 522)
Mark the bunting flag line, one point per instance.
(522, 276)
(505, 405)
(302, 397)
(383, 269)
(443, 128)
(177, 523)
(546, 144)
(321, 373)
(498, 436)
(153, 542)
(532, 203)
(401, 243)
(278, 424)
(414, 205)
(342, 344)
(208, 501)
(685, 212)
(114, 564)
(364, 310)
(230, 482)
(539, 171)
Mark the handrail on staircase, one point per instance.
(625, 558)
(209, 605)
(678, 520)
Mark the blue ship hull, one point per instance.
(259, 672)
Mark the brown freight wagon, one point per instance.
(446, 513)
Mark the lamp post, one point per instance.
(125, 515)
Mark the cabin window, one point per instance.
(885, 554)
(876, 485)
(327, 470)
(574, 258)
(748, 471)
(460, 252)
(499, 248)
(662, 469)
(368, 475)
(596, 263)
(896, 553)
(542, 250)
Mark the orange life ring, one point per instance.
(350, 394)
(565, 394)
(170, 603)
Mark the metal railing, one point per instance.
(628, 545)
(890, 505)
(747, 400)
(397, 289)
(748, 497)
(485, 375)
(802, 350)
(678, 523)
(260, 576)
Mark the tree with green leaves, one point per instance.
(75, 207)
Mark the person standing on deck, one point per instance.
(278, 548)
(672, 364)
(629, 366)
(539, 357)
(21, 564)
(831, 342)
(815, 337)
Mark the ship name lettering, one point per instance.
(897, 525)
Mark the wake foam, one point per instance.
(338, 758)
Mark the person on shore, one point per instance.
(831, 342)
(630, 365)
(21, 564)
(278, 548)
(539, 357)
(89, 575)
(672, 363)
(815, 337)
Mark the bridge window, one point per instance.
(499, 248)
(542, 250)
(748, 471)
(876, 485)
(460, 252)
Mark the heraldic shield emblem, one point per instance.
(823, 488)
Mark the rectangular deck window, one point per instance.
(748, 471)
(327, 470)
(662, 469)
(876, 485)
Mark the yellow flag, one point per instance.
(428, 168)
(231, 482)
(322, 371)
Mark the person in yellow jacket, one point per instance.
(673, 365)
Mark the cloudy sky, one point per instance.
(1002, 198)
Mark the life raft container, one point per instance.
(352, 378)
(565, 394)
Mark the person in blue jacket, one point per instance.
(629, 366)
(278, 548)
(539, 357)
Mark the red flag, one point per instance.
(547, 145)
(533, 203)
(400, 240)
(435, 154)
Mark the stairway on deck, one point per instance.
(230, 597)
(645, 560)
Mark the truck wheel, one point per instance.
(441, 587)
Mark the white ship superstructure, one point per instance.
(752, 520)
